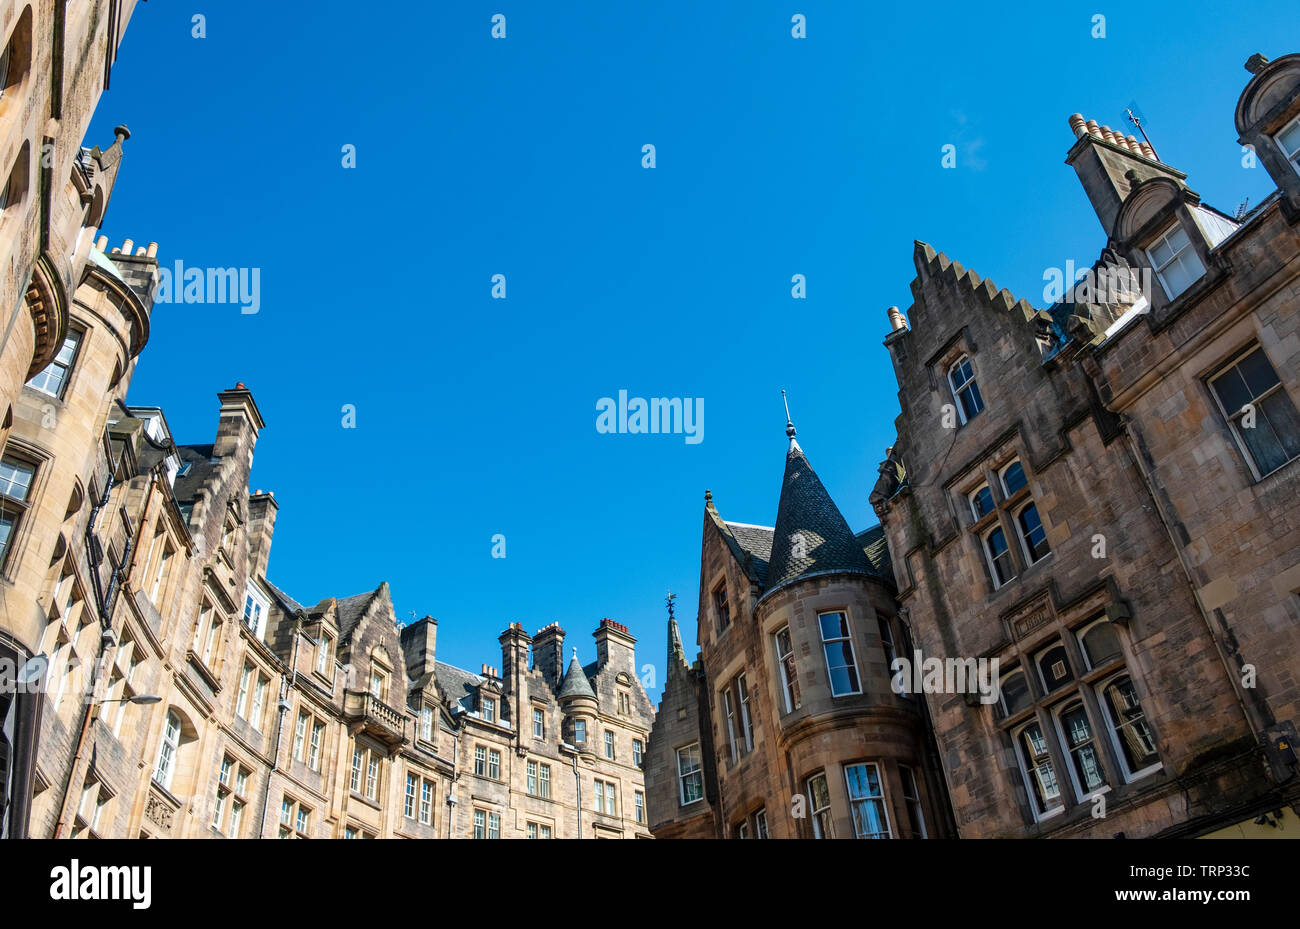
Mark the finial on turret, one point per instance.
(789, 423)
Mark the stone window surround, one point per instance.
(1044, 708)
(1005, 514)
(1221, 366)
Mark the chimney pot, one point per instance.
(896, 320)
(102, 243)
(1078, 126)
(152, 251)
(127, 246)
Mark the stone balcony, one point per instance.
(367, 713)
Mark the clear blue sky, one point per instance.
(522, 157)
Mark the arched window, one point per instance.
(1013, 692)
(1081, 747)
(1038, 770)
(1099, 643)
(165, 770)
(965, 392)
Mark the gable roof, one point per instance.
(456, 684)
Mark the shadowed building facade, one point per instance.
(1102, 495)
(787, 725)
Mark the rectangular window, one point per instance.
(15, 486)
(1259, 411)
(372, 777)
(867, 801)
(1085, 761)
(494, 765)
(259, 701)
(323, 654)
(600, 795)
(580, 731)
(786, 667)
(426, 723)
(638, 751)
(539, 724)
(841, 667)
(746, 723)
(300, 737)
(640, 807)
(999, 555)
(544, 831)
(912, 799)
(819, 805)
(313, 750)
(494, 825)
(1132, 737)
(241, 701)
(605, 798)
(53, 380)
(357, 762)
(489, 709)
(1288, 140)
(721, 606)
(480, 824)
(426, 803)
(480, 761)
(532, 778)
(729, 713)
(1038, 770)
(690, 775)
(408, 805)
(1175, 261)
(532, 830)
(236, 818)
(544, 782)
(609, 744)
(760, 824)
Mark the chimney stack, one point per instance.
(548, 654)
(261, 527)
(1104, 160)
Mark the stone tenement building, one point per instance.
(787, 726)
(184, 695)
(55, 61)
(1103, 495)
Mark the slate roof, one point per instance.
(457, 684)
(811, 536)
(350, 610)
(575, 682)
(757, 542)
(287, 603)
(187, 485)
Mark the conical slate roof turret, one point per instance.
(811, 535)
(575, 681)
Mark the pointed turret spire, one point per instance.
(789, 423)
(811, 536)
(575, 681)
(675, 651)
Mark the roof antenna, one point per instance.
(1137, 121)
(789, 424)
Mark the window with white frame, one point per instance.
(539, 723)
(639, 801)
(53, 378)
(965, 391)
(165, 768)
(867, 801)
(1038, 770)
(606, 792)
(295, 819)
(1288, 141)
(580, 731)
(480, 761)
(412, 791)
(489, 709)
(208, 635)
(1080, 744)
(1134, 743)
(788, 670)
(324, 651)
(366, 771)
(426, 803)
(609, 744)
(837, 645)
(1175, 260)
(1032, 534)
(690, 774)
(539, 830)
(245, 685)
(1013, 479)
(256, 606)
(912, 800)
(426, 723)
(15, 487)
(760, 824)
(819, 806)
(231, 797)
(1259, 411)
(624, 703)
(638, 752)
(981, 502)
(494, 764)
(740, 726)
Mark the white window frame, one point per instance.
(853, 654)
(1024, 536)
(1159, 269)
(970, 501)
(1293, 158)
(746, 721)
(256, 607)
(879, 798)
(168, 751)
(1112, 728)
(1067, 752)
(965, 384)
(814, 810)
(1026, 764)
(791, 695)
(539, 723)
(990, 559)
(489, 709)
(692, 753)
(59, 370)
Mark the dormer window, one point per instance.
(965, 392)
(1175, 261)
(489, 709)
(1288, 140)
(256, 607)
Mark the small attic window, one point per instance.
(1175, 261)
(184, 468)
(1288, 140)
